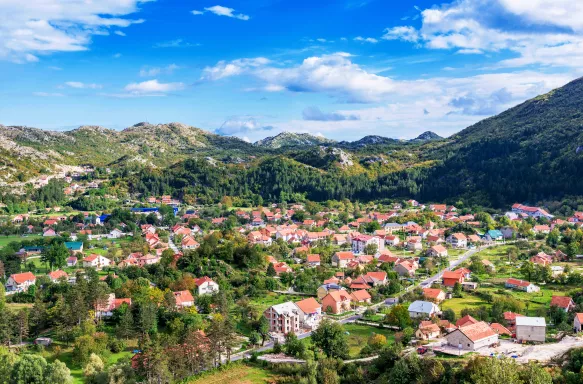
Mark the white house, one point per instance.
(359, 243)
(19, 282)
(423, 309)
(457, 240)
(310, 313)
(96, 261)
(472, 337)
(578, 322)
(206, 285)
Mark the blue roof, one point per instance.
(495, 233)
(155, 209)
(102, 218)
(74, 245)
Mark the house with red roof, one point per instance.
(96, 261)
(406, 267)
(310, 313)
(449, 278)
(500, 329)
(457, 240)
(337, 302)
(542, 258)
(341, 259)
(56, 275)
(437, 251)
(313, 260)
(521, 285)
(361, 297)
(392, 240)
(578, 322)
(428, 330)
(206, 285)
(183, 299)
(359, 243)
(535, 212)
(19, 282)
(472, 336)
(105, 309)
(564, 302)
(433, 294)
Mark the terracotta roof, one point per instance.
(345, 255)
(579, 317)
(509, 316)
(360, 295)
(465, 321)
(201, 280)
(313, 258)
(500, 329)
(438, 248)
(339, 295)
(429, 328)
(380, 275)
(477, 331)
(519, 283)
(452, 274)
(309, 305)
(57, 274)
(183, 297)
(561, 301)
(20, 278)
(432, 293)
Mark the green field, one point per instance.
(235, 374)
(5, 240)
(359, 334)
(457, 304)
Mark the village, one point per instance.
(466, 282)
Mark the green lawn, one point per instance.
(5, 240)
(359, 334)
(235, 374)
(457, 304)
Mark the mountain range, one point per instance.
(531, 152)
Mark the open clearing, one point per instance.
(239, 374)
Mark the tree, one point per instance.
(553, 238)
(94, 366)
(58, 373)
(254, 338)
(22, 325)
(263, 329)
(398, 316)
(371, 249)
(331, 339)
(493, 371)
(457, 289)
(271, 270)
(125, 327)
(55, 255)
(293, 346)
(30, 369)
(533, 373)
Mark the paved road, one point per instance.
(427, 282)
(172, 245)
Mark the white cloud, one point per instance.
(453, 103)
(545, 32)
(120, 33)
(335, 75)
(28, 30)
(48, 94)
(238, 125)
(117, 55)
(225, 69)
(152, 87)
(366, 39)
(222, 11)
(155, 71)
(55, 68)
(401, 33)
(80, 85)
(176, 43)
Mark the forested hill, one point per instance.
(531, 152)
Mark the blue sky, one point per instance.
(344, 68)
